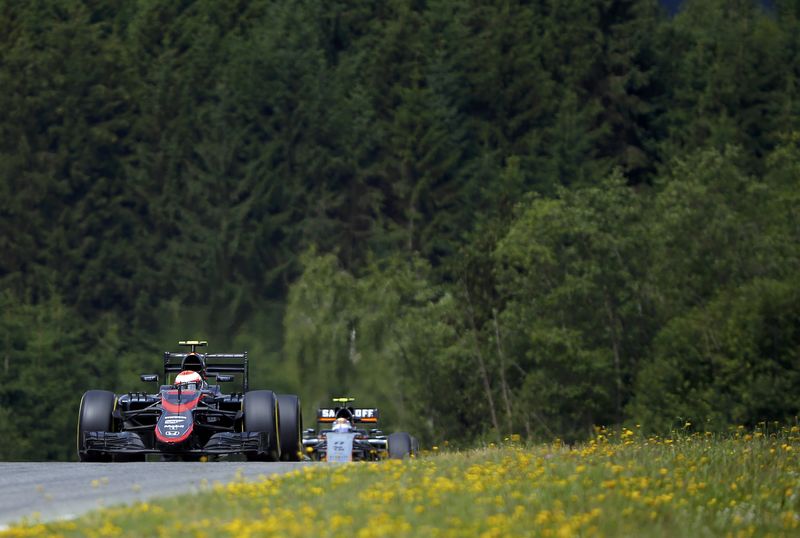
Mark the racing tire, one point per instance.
(290, 426)
(260, 414)
(95, 415)
(399, 445)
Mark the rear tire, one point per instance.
(95, 415)
(290, 424)
(400, 445)
(260, 410)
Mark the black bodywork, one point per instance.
(176, 422)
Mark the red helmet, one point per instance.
(192, 379)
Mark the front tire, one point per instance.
(290, 425)
(260, 414)
(95, 415)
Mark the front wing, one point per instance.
(219, 443)
(362, 449)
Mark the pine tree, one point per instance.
(725, 70)
(602, 59)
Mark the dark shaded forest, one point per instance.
(485, 219)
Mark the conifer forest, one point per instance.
(484, 218)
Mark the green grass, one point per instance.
(745, 484)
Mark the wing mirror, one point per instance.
(224, 378)
(149, 378)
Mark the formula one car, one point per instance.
(188, 418)
(343, 440)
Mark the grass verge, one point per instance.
(745, 484)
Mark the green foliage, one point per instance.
(49, 360)
(727, 67)
(714, 227)
(319, 329)
(486, 215)
(390, 339)
(570, 270)
(732, 361)
(601, 54)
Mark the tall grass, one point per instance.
(619, 484)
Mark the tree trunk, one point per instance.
(615, 345)
(503, 383)
(487, 387)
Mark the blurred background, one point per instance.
(516, 218)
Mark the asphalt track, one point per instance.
(54, 490)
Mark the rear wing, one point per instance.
(360, 415)
(215, 363)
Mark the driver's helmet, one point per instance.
(341, 424)
(192, 379)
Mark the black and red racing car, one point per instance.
(190, 417)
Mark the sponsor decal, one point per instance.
(340, 447)
(326, 415)
(174, 428)
(173, 433)
(359, 415)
